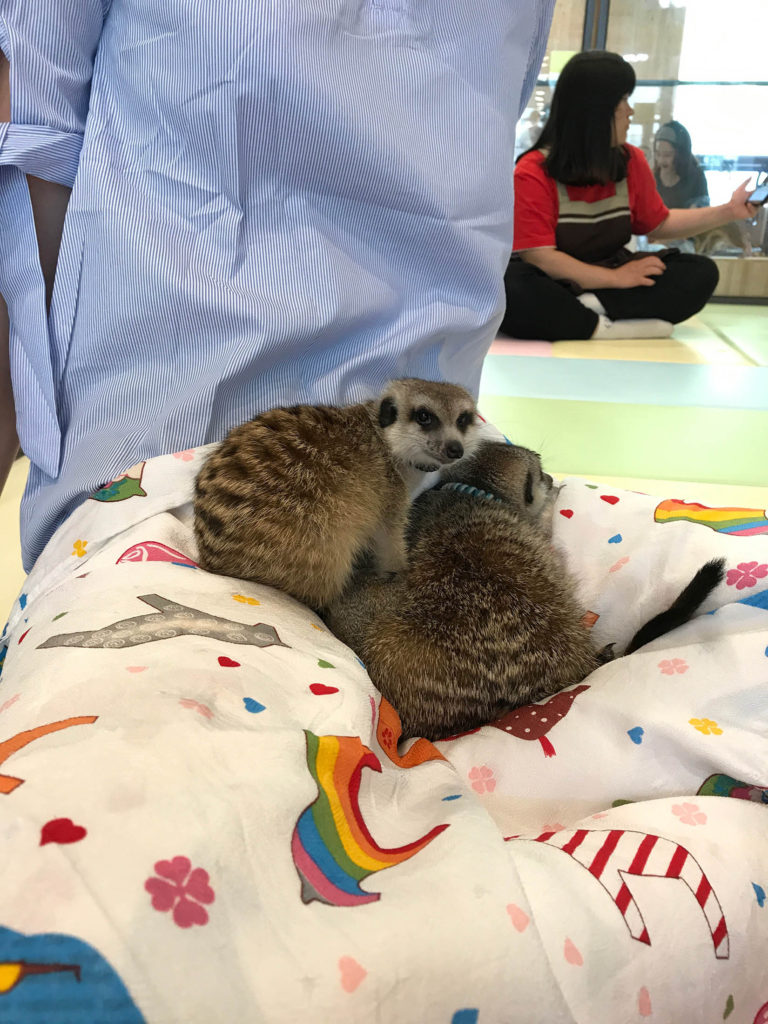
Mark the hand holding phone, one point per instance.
(759, 196)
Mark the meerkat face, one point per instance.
(539, 491)
(426, 424)
(522, 482)
(513, 474)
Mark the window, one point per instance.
(699, 62)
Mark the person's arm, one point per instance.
(685, 223)
(561, 266)
(9, 442)
(49, 207)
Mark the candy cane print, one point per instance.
(611, 855)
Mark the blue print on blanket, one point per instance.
(753, 600)
(756, 600)
(57, 979)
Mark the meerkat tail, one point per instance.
(682, 609)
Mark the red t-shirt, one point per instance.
(536, 202)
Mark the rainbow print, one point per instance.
(333, 851)
(742, 522)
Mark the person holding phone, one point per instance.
(680, 180)
(580, 195)
(760, 196)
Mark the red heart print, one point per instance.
(61, 830)
(352, 974)
(610, 498)
(567, 512)
(572, 954)
(319, 689)
(519, 917)
(228, 663)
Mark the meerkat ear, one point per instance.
(387, 412)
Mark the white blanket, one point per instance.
(206, 816)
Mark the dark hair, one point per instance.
(685, 162)
(577, 135)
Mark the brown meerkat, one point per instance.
(485, 617)
(294, 497)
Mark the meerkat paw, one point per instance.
(389, 552)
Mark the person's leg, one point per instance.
(682, 290)
(538, 307)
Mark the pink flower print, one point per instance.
(672, 665)
(185, 456)
(181, 889)
(482, 779)
(746, 574)
(689, 814)
(554, 827)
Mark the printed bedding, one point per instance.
(206, 815)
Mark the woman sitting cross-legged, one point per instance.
(579, 197)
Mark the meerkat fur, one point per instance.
(485, 617)
(296, 496)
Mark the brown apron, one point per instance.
(595, 232)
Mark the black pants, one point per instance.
(540, 307)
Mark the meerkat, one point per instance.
(485, 617)
(296, 496)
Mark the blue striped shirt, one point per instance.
(272, 203)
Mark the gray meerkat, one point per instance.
(485, 617)
(296, 496)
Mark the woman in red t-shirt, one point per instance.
(579, 197)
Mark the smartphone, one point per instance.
(759, 196)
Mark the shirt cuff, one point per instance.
(43, 152)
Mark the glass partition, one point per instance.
(702, 63)
(565, 37)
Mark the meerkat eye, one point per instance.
(465, 420)
(529, 488)
(423, 417)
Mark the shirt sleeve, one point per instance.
(536, 205)
(647, 208)
(50, 46)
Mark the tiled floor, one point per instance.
(684, 417)
(693, 407)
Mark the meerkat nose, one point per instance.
(454, 450)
